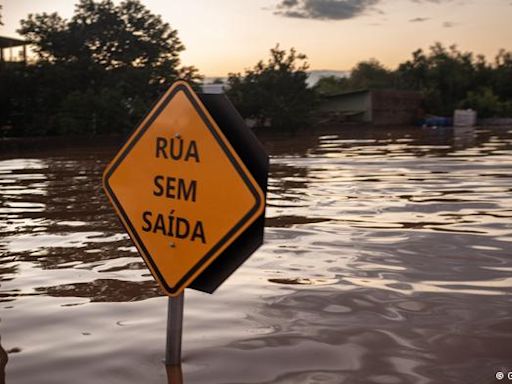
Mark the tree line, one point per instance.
(100, 71)
(447, 77)
(96, 73)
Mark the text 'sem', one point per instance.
(175, 188)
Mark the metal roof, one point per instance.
(8, 42)
(347, 93)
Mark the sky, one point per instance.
(223, 36)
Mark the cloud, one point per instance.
(325, 9)
(419, 19)
(289, 3)
(449, 24)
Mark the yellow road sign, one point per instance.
(180, 189)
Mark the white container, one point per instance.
(464, 118)
(213, 88)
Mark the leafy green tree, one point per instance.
(275, 91)
(443, 75)
(413, 74)
(487, 104)
(370, 74)
(502, 74)
(331, 85)
(106, 60)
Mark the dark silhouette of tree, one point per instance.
(123, 37)
(274, 92)
(502, 79)
(99, 71)
(331, 85)
(450, 79)
(369, 74)
(444, 75)
(447, 77)
(487, 103)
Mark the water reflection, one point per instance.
(325, 334)
(174, 374)
(464, 137)
(105, 290)
(387, 260)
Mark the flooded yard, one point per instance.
(387, 259)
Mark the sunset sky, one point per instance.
(224, 36)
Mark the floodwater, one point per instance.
(387, 259)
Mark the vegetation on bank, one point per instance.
(274, 92)
(447, 77)
(100, 71)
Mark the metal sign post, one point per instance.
(174, 374)
(174, 329)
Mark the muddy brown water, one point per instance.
(387, 259)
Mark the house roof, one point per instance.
(367, 90)
(8, 42)
(347, 93)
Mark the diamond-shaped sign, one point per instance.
(181, 190)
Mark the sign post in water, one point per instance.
(189, 187)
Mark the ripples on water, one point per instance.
(388, 259)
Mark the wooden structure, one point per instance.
(7, 44)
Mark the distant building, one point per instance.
(6, 49)
(378, 107)
(213, 88)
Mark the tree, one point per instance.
(331, 85)
(413, 74)
(502, 74)
(486, 103)
(274, 91)
(120, 38)
(107, 59)
(370, 74)
(443, 75)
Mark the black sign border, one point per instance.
(132, 140)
